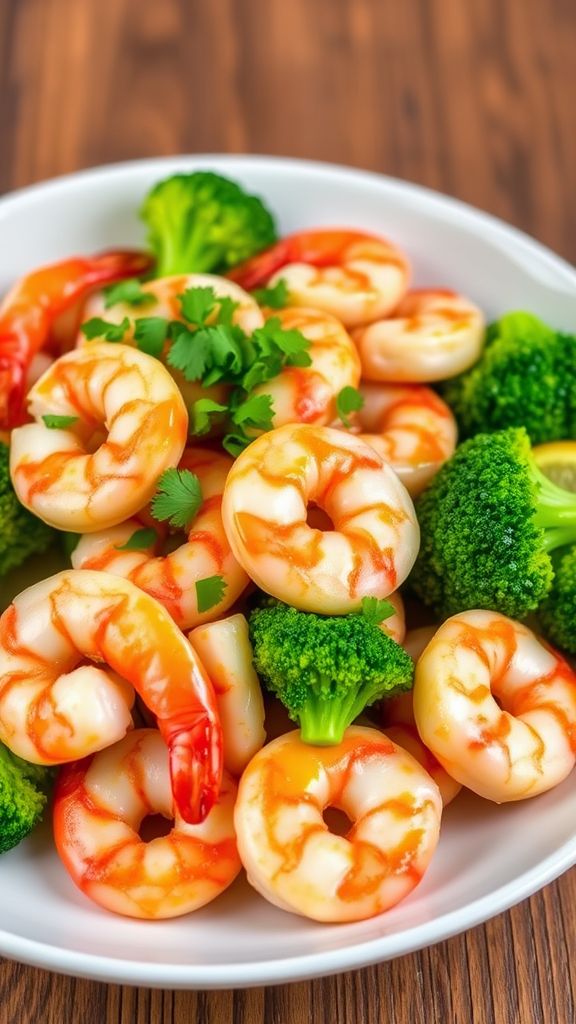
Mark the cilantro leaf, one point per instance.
(129, 291)
(59, 422)
(209, 592)
(200, 414)
(98, 328)
(234, 444)
(376, 610)
(348, 400)
(257, 412)
(178, 498)
(275, 297)
(139, 541)
(226, 309)
(190, 352)
(197, 304)
(150, 333)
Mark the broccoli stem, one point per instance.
(324, 720)
(555, 512)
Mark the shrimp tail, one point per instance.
(196, 765)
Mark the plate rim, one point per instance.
(310, 965)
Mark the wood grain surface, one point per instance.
(472, 97)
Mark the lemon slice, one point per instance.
(557, 461)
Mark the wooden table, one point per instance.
(473, 97)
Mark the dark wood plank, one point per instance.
(475, 99)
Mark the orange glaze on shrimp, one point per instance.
(99, 806)
(56, 708)
(410, 427)
(29, 311)
(129, 425)
(433, 334)
(496, 706)
(354, 275)
(374, 540)
(308, 394)
(172, 578)
(293, 859)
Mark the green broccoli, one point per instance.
(488, 521)
(23, 797)
(526, 377)
(21, 533)
(203, 223)
(557, 613)
(325, 669)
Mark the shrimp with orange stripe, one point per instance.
(288, 850)
(432, 334)
(307, 394)
(120, 421)
(356, 276)
(172, 578)
(496, 706)
(99, 806)
(55, 708)
(410, 427)
(373, 541)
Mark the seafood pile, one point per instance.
(245, 451)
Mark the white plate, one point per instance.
(489, 857)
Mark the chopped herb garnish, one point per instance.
(59, 422)
(348, 400)
(129, 291)
(139, 541)
(209, 592)
(376, 610)
(178, 497)
(150, 333)
(275, 297)
(104, 329)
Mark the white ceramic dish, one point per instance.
(489, 857)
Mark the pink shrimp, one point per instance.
(31, 308)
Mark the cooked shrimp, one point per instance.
(432, 334)
(172, 578)
(399, 724)
(54, 708)
(354, 275)
(410, 427)
(308, 394)
(289, 853)
(395, 625)
(110, 389)
(165, 293)
(374, 540)
(496, 707)
(225, 651)
(99, 806)
(31, 308)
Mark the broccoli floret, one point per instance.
(325, 669)
(526, 377)
(557, 613)
(21, 533)
(23, 797)
(203, 223)
(489, 520)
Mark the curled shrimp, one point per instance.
(431, 335)
(172, 578)
(308, 394)
(496, 707)
(354, 275)
(410, 427)
(29, 311)
(163, 300)
(399, 723)
(225, 650)
(126, 406)
(289, 853)
(99, 806)
(55, 708)
(371, 544)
